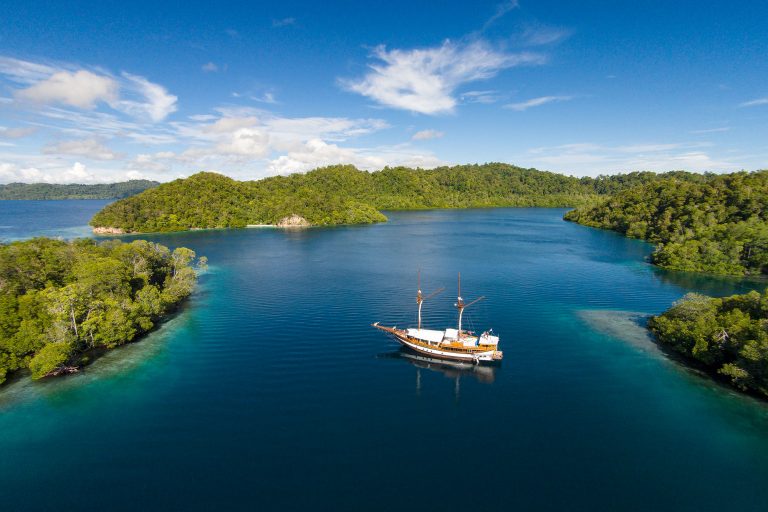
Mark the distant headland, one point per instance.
(343, 194)
(715, 223)
(51, 191)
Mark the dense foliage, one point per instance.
(345, 195)
(59, 299)
(710, 223)
(52, 191)
(728, 335)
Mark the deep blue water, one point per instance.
(67, 219)
(271, 391)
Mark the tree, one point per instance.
(342, 194)
(59, 299)
(729, 336)
(713, 223)
(50, 358)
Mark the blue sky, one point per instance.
(105, 91)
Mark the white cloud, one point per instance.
(157, 162)
(536, 102)
(593, 159)
(264, 97)
(240, 141)
(424, 80)
(157, 103)
(267, 97)
(89, 148)
(483, 97)
(65, 84)
(243, 142)
(316, 153)
(210, 67)
(10, 173)
(331, 128)
(501, 10)
(712, 130)
(539, 35)
(202, 117)
(755, 103)
(81, 89)
(427, 134)
(692, 160)
(103, 125)
(649, 148)
(250, 142)
(246, 134)
(16, 133)
(143, 158)
(25, 72)
(76, 173)
(337, 128)
(230, 124)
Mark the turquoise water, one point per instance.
(270, 390)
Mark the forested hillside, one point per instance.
(59, 299)
(75, 191)
(728, 336)
(345, 195)
(715, 223)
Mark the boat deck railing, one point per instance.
(453, 348)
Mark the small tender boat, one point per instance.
(454, 344)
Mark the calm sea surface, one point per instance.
(270, 390)
(25, 219)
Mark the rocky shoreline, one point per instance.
(101, 230)
(293, 221)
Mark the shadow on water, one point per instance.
(710, 284)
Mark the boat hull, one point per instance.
(472, 356)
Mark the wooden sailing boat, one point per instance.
(454, 344)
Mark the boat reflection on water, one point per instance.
(455, 370)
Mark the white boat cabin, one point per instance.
(451, 336)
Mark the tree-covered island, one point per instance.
(701, 223)
(704, 223)
(342, 194)
(728, 336)
(61, 300)
(50, 191)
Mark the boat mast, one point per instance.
(460, 305)
(420, 297)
